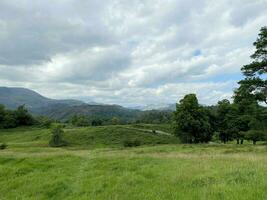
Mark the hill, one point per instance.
(14, 97)
(64, 112)
(65, 109)
(29, 169)
(88, 137)
(59, 109)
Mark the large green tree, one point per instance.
(192, 121)
(255, 83)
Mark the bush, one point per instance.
(44, 122)
(3, 146)
(56, 138)
(255, 135)
(131, 143)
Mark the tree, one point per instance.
(192, 121)
(256, 130)
(254, 83)
(225, 116)
(43, 121)
(255, 135)
(96, 122)
(56, 137)
(9, 120)
(2, 115)
(23, 117)
(115, 120)
(80, 120)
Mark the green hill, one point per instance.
(90, 137)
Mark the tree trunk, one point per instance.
(242, 141)
(254, 142)
(237, 141)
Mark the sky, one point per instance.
(128, 52)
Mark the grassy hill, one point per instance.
(89, 137)
(64, 112)
(29, 169)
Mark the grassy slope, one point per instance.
(90, 137)
(31, 170)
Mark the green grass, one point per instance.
(29, 169)
(161, 127)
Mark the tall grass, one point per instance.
(32, 170)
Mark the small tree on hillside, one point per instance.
(56, 137)
(115, 121)
(192, 121)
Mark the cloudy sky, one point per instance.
(128, 52)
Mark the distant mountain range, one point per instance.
(63, 109)
(170, 107)
(14, 97)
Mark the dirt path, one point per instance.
(148, 130)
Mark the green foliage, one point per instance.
(3, 146)
(131, 143)
(256, 135)
(192, 121)
(18, 117)
(23, 117)
(254, 84)
(97, 122)
(56, 137)
(115, 120)
(114, 136)
(160, 172)
(9, 120)
(154, 117)
(226, 118)
(44, 122)
(80, 120)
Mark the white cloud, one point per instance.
(128, 52)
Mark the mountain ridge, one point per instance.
(37, 104)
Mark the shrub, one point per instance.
(56, 137)
(3, 146)
(256, 135)
(44, 122)
(131, 143)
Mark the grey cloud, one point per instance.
(126, 51)
(32, 34)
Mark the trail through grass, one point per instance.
(29, 169)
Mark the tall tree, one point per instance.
(255, 83)
(192, 121)
(23, 117)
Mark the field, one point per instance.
(95, 165)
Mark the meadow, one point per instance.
(96, 165)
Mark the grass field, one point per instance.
(96, 166)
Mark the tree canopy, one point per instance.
(192, 121)
(255, 83)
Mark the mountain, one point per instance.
(14, 97)
(162, 107)
(64, 109)
(60, 109)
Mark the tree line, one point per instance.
(21, 117)
(245, 118)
